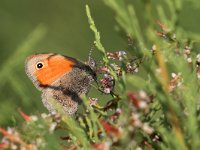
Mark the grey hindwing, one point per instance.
(67, 91)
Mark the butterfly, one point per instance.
(61, 79)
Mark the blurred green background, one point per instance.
(32, 26)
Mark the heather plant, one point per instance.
(150, 92)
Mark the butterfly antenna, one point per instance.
(90, 53)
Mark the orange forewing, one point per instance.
(55, 67)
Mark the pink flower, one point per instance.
(25, 116)
(110, 129)
(107, 83)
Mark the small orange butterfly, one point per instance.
(60, 78)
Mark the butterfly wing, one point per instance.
(58, 100)
(67, 91)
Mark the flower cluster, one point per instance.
(139, 100)
(93, 101)
(198, 66)
(187, 54)
(107, 83)
(119, 55)
(121, 64)
(165, 32)
(136, 123)
(112, 131)
(175, 82)
(13, 139)
(114, 126)
(132, 67)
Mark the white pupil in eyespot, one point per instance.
(39, 65)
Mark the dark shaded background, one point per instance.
(28, 27)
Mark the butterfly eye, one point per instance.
(39, 65)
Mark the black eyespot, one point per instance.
(39, 65)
